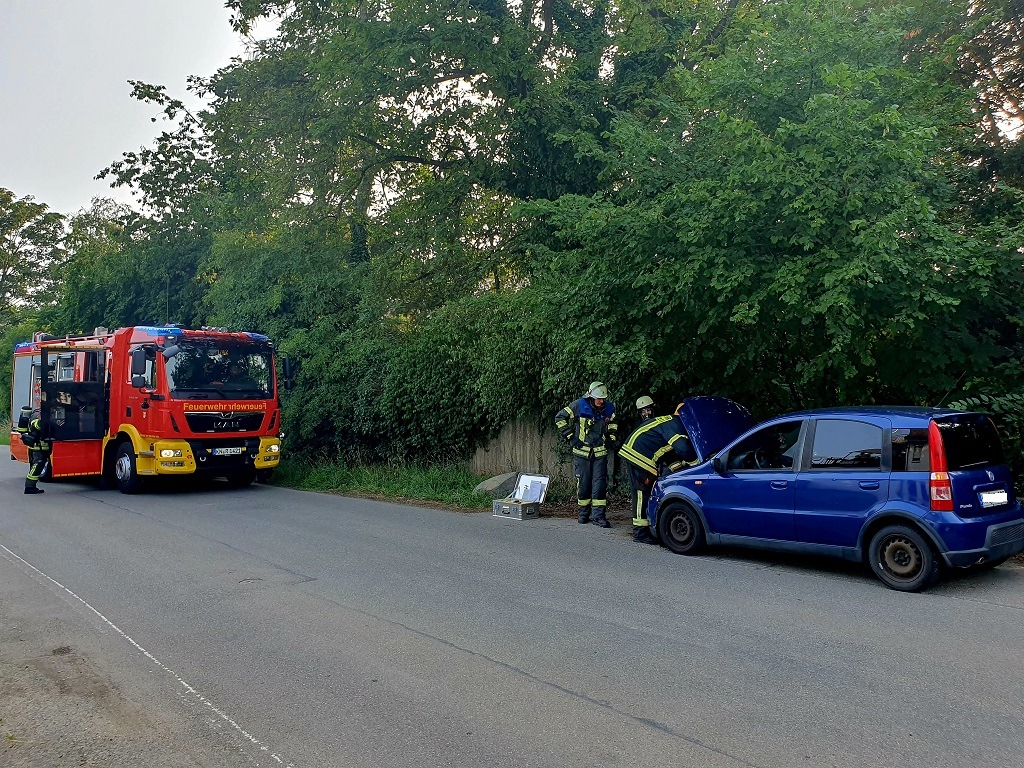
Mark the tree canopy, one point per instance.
(456, 213)
(30, 249)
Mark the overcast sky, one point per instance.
(65, 106)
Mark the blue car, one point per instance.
(908, 490)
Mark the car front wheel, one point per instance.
(125, 471)
(903, 559)
(681, 530)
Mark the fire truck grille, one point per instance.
(221, 422)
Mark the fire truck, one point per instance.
(150, 401)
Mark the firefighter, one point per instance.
(658, 441)
(589, 426)
(33, 435)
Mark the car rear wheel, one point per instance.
(903, 559)
(681, 530)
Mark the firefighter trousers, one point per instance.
(591, 486)
(38, 461)
(640, 482)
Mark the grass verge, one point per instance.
(450, 485)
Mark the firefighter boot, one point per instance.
(31, 489)
(642, 535)
(601, 522)
(583, 512)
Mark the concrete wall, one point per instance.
(521, 447)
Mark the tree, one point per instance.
(992, 62)
(786, 227)
(127, 269)
(31, 250)
(787, 202)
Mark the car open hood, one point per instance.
(713, 422)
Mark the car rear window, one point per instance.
(971, 441)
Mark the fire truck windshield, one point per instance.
(202, 370)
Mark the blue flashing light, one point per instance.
(22, 345)
(154, 330)
(258, 337)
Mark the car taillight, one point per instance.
(940, 489)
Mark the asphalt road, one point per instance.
(301, 629)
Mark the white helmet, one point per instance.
(597, 391)
(644, 402)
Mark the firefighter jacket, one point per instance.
(661, 440)
(590, 432)
(32, 431)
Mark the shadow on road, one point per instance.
(954, 579)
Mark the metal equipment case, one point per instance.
(524, 502)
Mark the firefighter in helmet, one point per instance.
(658, 441)
(589, 425)
(34, 436)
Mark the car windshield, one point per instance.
(205, 370)
(971, 441)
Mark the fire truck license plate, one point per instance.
(227, 451)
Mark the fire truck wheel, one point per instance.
(128, 480)
(242, 478)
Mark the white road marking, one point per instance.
(202, 699)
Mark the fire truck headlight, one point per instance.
(275, 448)
(169, 453)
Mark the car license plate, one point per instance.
(993, 498)
(227, 451)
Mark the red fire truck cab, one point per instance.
(149, 401)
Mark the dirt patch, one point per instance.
(402, 500)
(619, 507)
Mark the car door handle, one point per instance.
(780, 484)
(869, 485)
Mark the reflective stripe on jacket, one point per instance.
(32, 435)
(657, 441)
(590, 432)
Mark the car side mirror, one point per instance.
(171, 351)
(139, 382)
(718, 464)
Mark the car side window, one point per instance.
(910, 450)
(771, 449)
(150, 374)
(841, 444)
